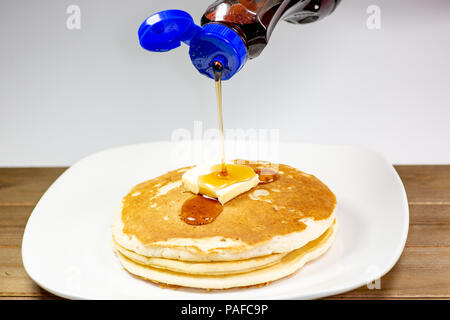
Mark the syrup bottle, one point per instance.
(232, 31)
(254, 20)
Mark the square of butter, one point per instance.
(191, 183)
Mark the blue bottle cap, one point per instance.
(211, 43)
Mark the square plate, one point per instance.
(66, 245)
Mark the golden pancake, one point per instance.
(289, 264)
(201, 268)
(277, 217)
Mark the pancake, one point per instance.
(272, 218)
(201, 268)
(289, 264)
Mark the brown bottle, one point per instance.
(254, 20)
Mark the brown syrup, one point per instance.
(266, 175)
(266, 171)
(217, 66)
(199, 210)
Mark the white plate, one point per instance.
(66, 246)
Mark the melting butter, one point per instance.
(211, 182)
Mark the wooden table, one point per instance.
(423, 271)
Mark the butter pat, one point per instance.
(240, 179)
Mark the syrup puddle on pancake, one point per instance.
(199, 210)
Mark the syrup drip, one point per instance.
(199, 210)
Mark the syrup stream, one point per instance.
(217, 66)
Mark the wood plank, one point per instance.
(17, 216)
(11, 237)
(14, 216)
(426, 184)
(12, 225)
(420, 273)
(429, 214)
(13, 220)
(11, 256)
(419, 235)
(26, 185)
(423, 184)
(430, 225)
(19, 297)
(14, 282)
(429, 236)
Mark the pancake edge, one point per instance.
(201, 268)
(260, 276)
(214, 248)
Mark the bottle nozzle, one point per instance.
(217, 69)
(217, 66)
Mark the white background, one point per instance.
(65, 94)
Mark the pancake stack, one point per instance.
(262, 235)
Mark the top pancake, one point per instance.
(276, 217)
